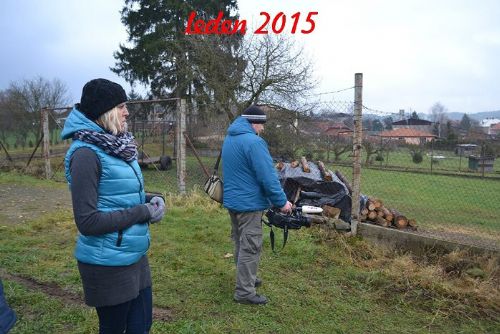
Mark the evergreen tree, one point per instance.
(201, 68)
(465, 123)
(388, 123)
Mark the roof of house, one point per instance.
(496, 126)
(487, 122)
(412, 121)
(406, 133)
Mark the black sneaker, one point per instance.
(254, 300)
(258, 282)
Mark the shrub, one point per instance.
(417, 157)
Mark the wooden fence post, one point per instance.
(46, 141)
(181, 145)
(357, 142)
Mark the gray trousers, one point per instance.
(246, 232)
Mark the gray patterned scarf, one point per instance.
(122, 146)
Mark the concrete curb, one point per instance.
(414, 242)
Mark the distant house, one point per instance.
(413, 123)
(489, 125)
(409, 136)
(495, 130)
(338, 130)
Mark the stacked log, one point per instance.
(279, 166)
(324, 172)
(376, 213)
(305, 165)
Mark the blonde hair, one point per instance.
(110, 121)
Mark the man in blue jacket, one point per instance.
(251, 186)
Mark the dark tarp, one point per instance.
(315, 191)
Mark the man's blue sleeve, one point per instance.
(262, 164)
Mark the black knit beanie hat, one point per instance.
(254, 115)
(100, 96)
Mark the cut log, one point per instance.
(387, 214)
(400, 221)
(372, 215)
(382, 222)
(364, 211)
(363, 217)
(294, 164)
(316, 219)
(305, 165)
(279, 166)
(324, 172)
(412, 223)
(344, 181)
(331, 211)
(376, 202)
(370, 205)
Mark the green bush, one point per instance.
(417, 157)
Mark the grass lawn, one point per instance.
(320, 283)
(436, 200)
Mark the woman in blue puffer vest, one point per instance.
(111, 209)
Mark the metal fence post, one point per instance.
(181, 145)
(357, 141)
(46, 141)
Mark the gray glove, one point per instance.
(156, 209)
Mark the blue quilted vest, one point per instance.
(121, 186)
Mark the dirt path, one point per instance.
(69, 298)
(20, 203)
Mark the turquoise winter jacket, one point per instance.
(121, 186)
(250, 179)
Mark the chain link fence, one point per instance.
(446, 185)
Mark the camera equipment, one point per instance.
(293, 221)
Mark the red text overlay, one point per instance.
(271, 24)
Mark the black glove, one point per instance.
(156, 209)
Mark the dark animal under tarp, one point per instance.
(314, 190)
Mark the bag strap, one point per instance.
(271, 235)
(216, 167)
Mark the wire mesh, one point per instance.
(443, 176)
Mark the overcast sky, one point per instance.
(412, 53)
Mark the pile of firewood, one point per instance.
(376, 213)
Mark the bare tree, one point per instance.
(277, 72)
(25, 99)
(439, 117)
